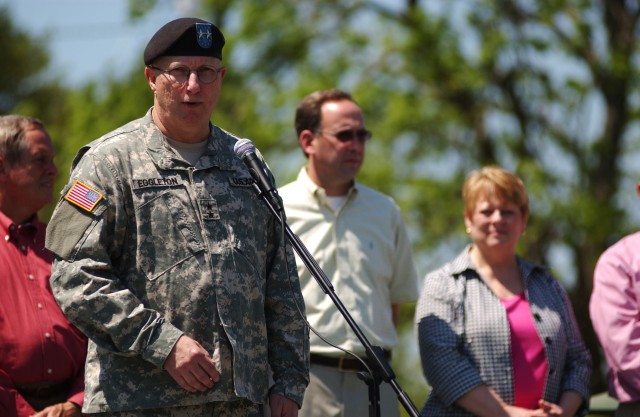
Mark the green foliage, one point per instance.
(23, 58)
(138, 8)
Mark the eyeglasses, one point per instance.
(348, 135)
(180, 75)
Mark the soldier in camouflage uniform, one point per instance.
(169, 262)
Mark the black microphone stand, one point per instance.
(380, 368)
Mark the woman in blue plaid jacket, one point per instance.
(497, 333)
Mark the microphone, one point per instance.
(246, 150)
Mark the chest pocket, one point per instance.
(168, 236)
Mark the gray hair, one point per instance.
(12, 135)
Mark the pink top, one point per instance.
(614, 308)
(527, 350)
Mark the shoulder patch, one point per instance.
(83, 196)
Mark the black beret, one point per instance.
(186, 36)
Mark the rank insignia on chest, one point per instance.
(83, 196)
(209, 209)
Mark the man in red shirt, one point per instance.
(41, 353)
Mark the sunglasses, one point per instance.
(362, 135)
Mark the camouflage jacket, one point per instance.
(148, 247)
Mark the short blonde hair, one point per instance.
(492, 181)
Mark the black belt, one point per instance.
(43, 389)
(343, 363)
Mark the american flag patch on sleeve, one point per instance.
(83, 196)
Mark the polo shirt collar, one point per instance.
(315, 190)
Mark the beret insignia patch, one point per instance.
(204, 34)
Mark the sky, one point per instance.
(85, 38)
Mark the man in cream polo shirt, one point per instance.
(358, 238)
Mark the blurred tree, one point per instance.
(73, 117)
(24, 58)
(26, 87)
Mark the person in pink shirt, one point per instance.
(41, 353)
(614, 308)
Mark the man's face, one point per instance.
(339, 160)
(29, 181)
(183, 110)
